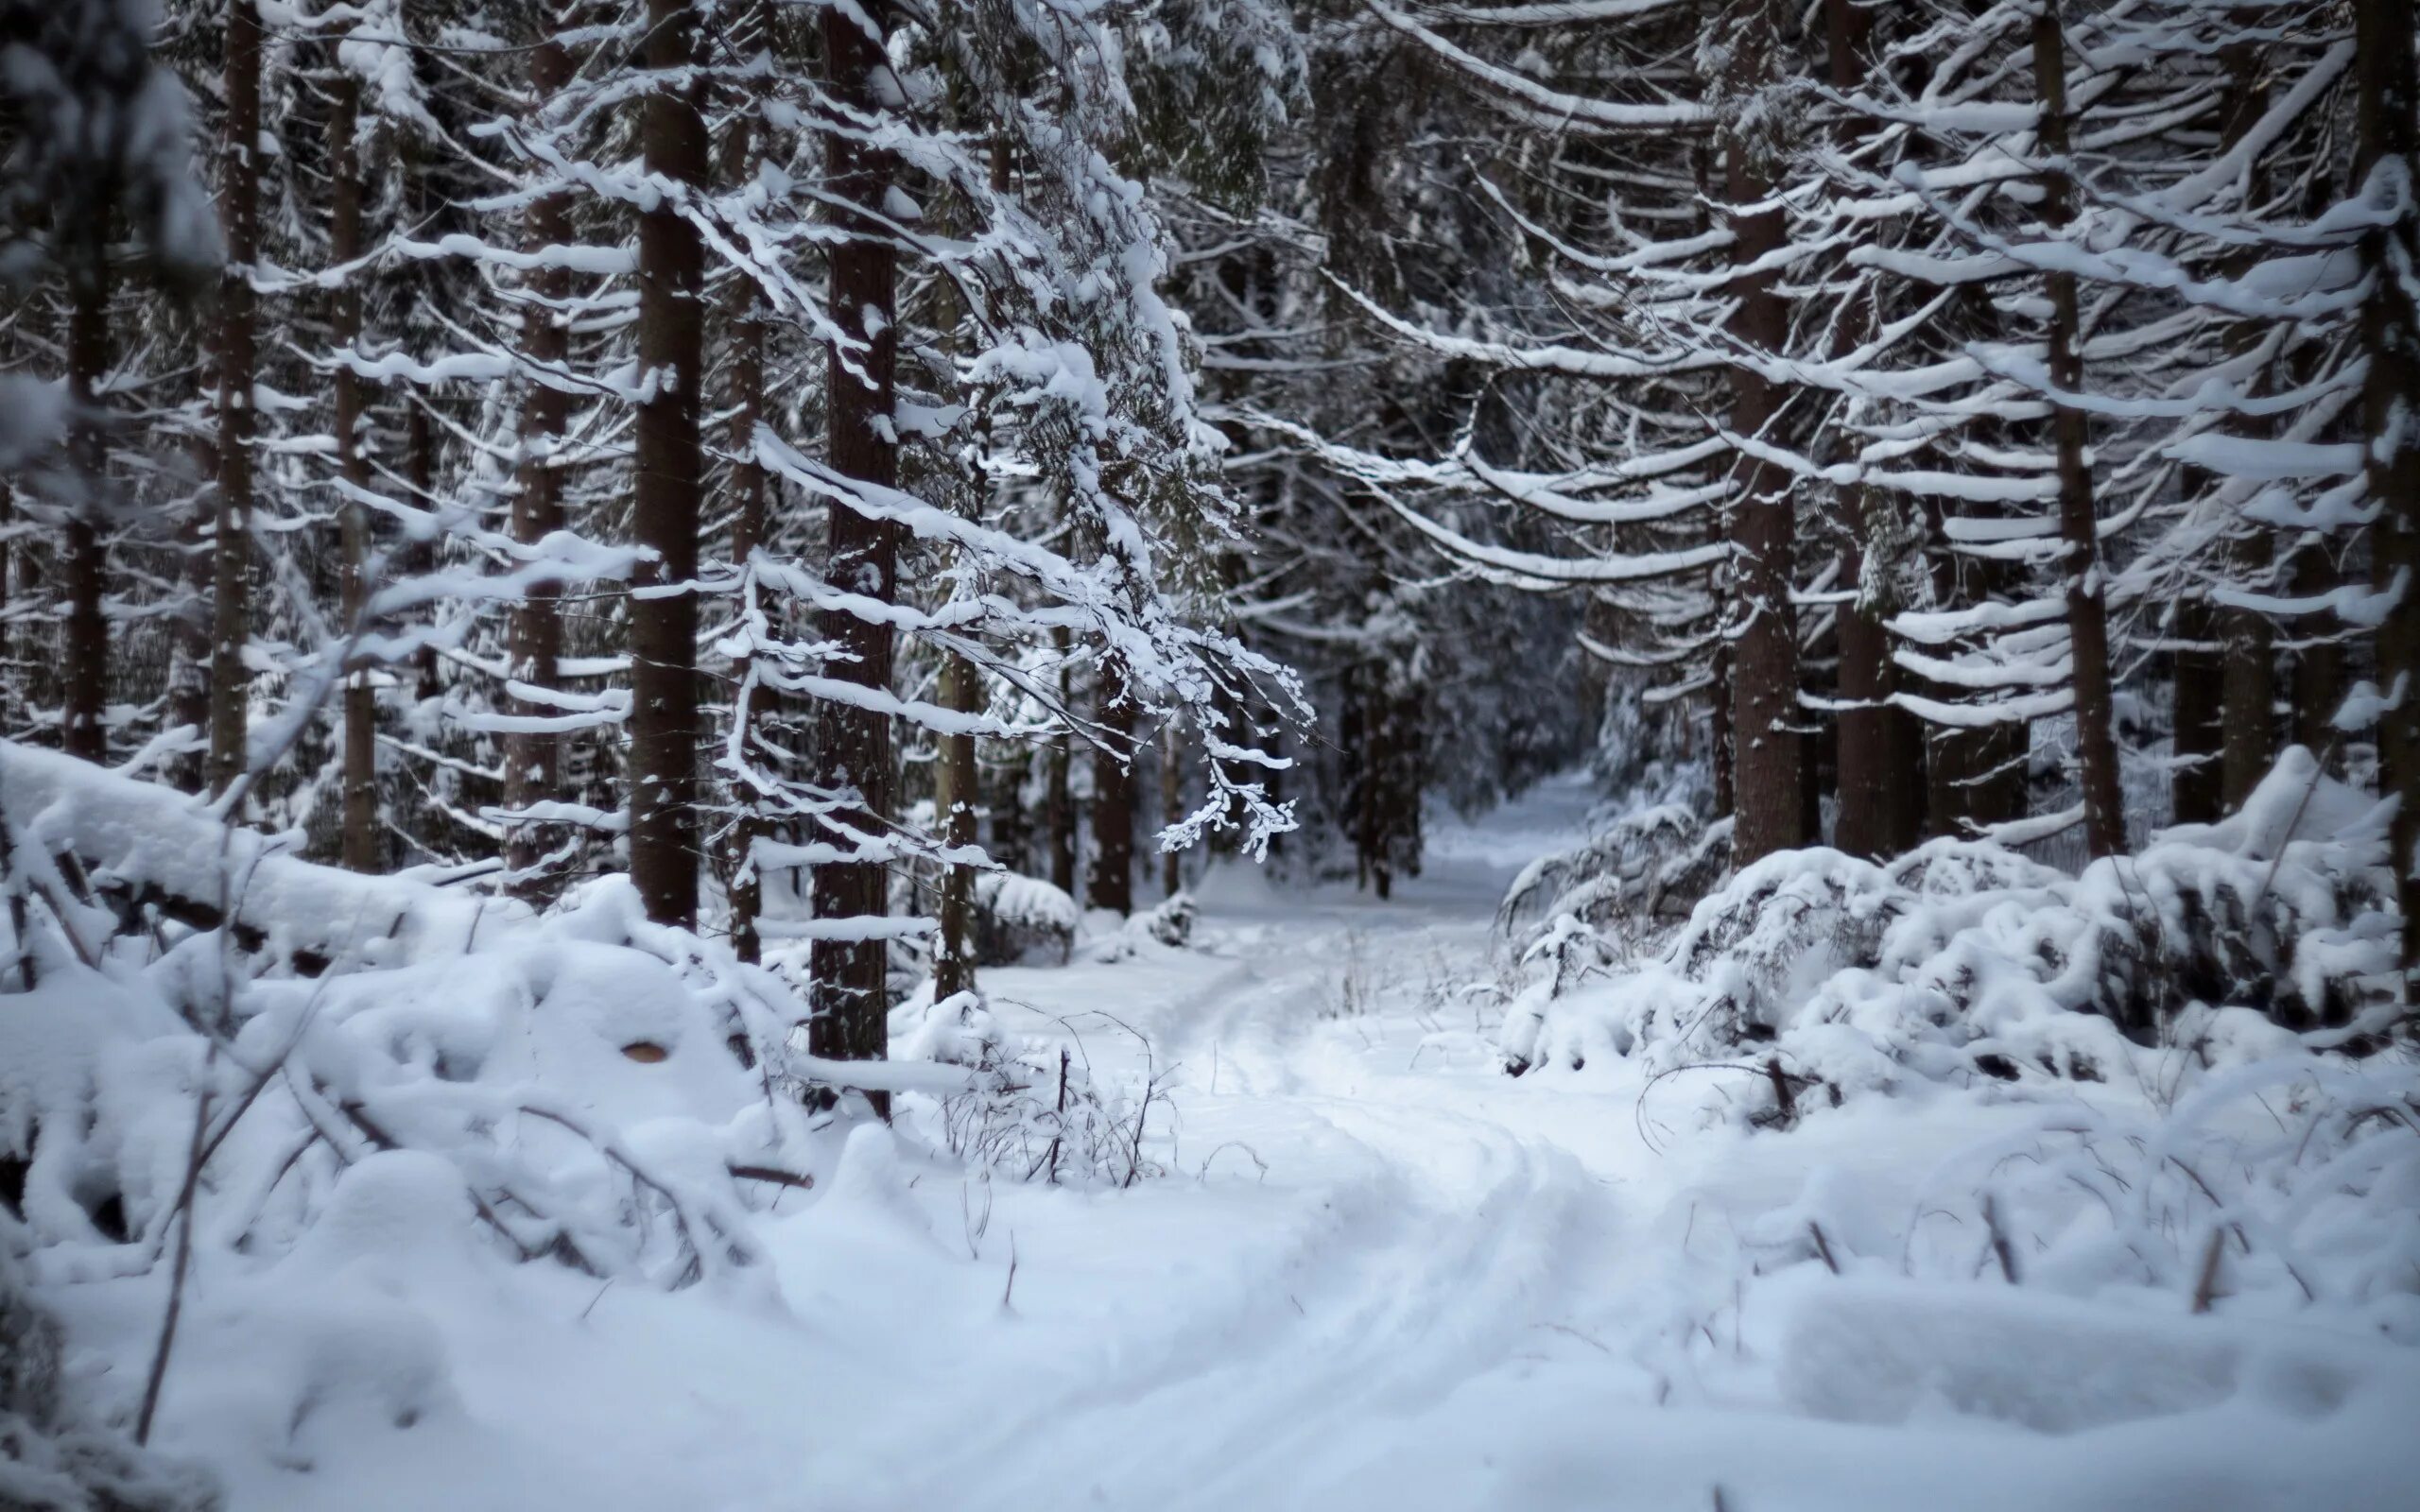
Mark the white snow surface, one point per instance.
(1376, 1273)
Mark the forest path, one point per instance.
(1363, 1220)
(1375, 1273)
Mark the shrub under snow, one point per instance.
(2270, 930)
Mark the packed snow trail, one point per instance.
(1376, 1273)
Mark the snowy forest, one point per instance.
(1594, 754)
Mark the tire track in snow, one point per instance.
(1437, 1242)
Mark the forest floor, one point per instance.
(1375, 1272)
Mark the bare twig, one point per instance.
(2206, 1289)
(183, 1213)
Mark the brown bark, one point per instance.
(1171, 805)
(1112, 883)
(2197, 792)
(745, 325)
(1718, 742)
(420, 473)
(534, 635)
(1880, 811)
(2388, 109)
(853, 744)
(2319, 661)
(239, 339)
(1059, 799)
(361, 849)
(86, 663)
(2079, 521)
(2248, 692)
(955, 795)
(2249, 742)
(189, 658)
(663, 624)
(1767, 748)
(956, 784)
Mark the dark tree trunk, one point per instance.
(2249, 742)
(238, 338)
(1171, 803)
(955, 795)
(2388, 86)
(1058, 797)
(1718, 742)
(1112, 883)
(361, 849)
(853, 744)
(2319, 662)
(2104, 819)
(2197, 792)
(86, 664)
(189, 654)
(420, 473)
(663, 625)
(1879, 752)
(745, 325)
(2249, 690)
(1765, 717)
(533, 759)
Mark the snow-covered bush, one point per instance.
(2265, 1190)
(1964, 958)
(1165, 925)
(54, 1456)
(604, 1091)
(1637, 873)
(1019, 920)
(1032, 1112)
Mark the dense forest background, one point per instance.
(771, 449)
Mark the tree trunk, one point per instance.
(1767, 748)
(853, 744)
(533, 759)
(1112, 883)
(2197, 791)
(955, 795)
(2319, 661)
(745, 324)
(2388, 86)
(2249, 742)
(189, 653)
(2079, 520)
(361, 849)
(239, 337)
(1718, 741)
(1879, 754)
(1171, 803)
(957, 784)
(1059, 796)
(663, 625)
(86, 664)
(420, 473)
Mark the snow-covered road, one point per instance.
(1377, 1272)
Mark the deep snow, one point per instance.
(1378, 1273)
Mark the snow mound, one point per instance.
(1020, 919)
(2233, 942)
